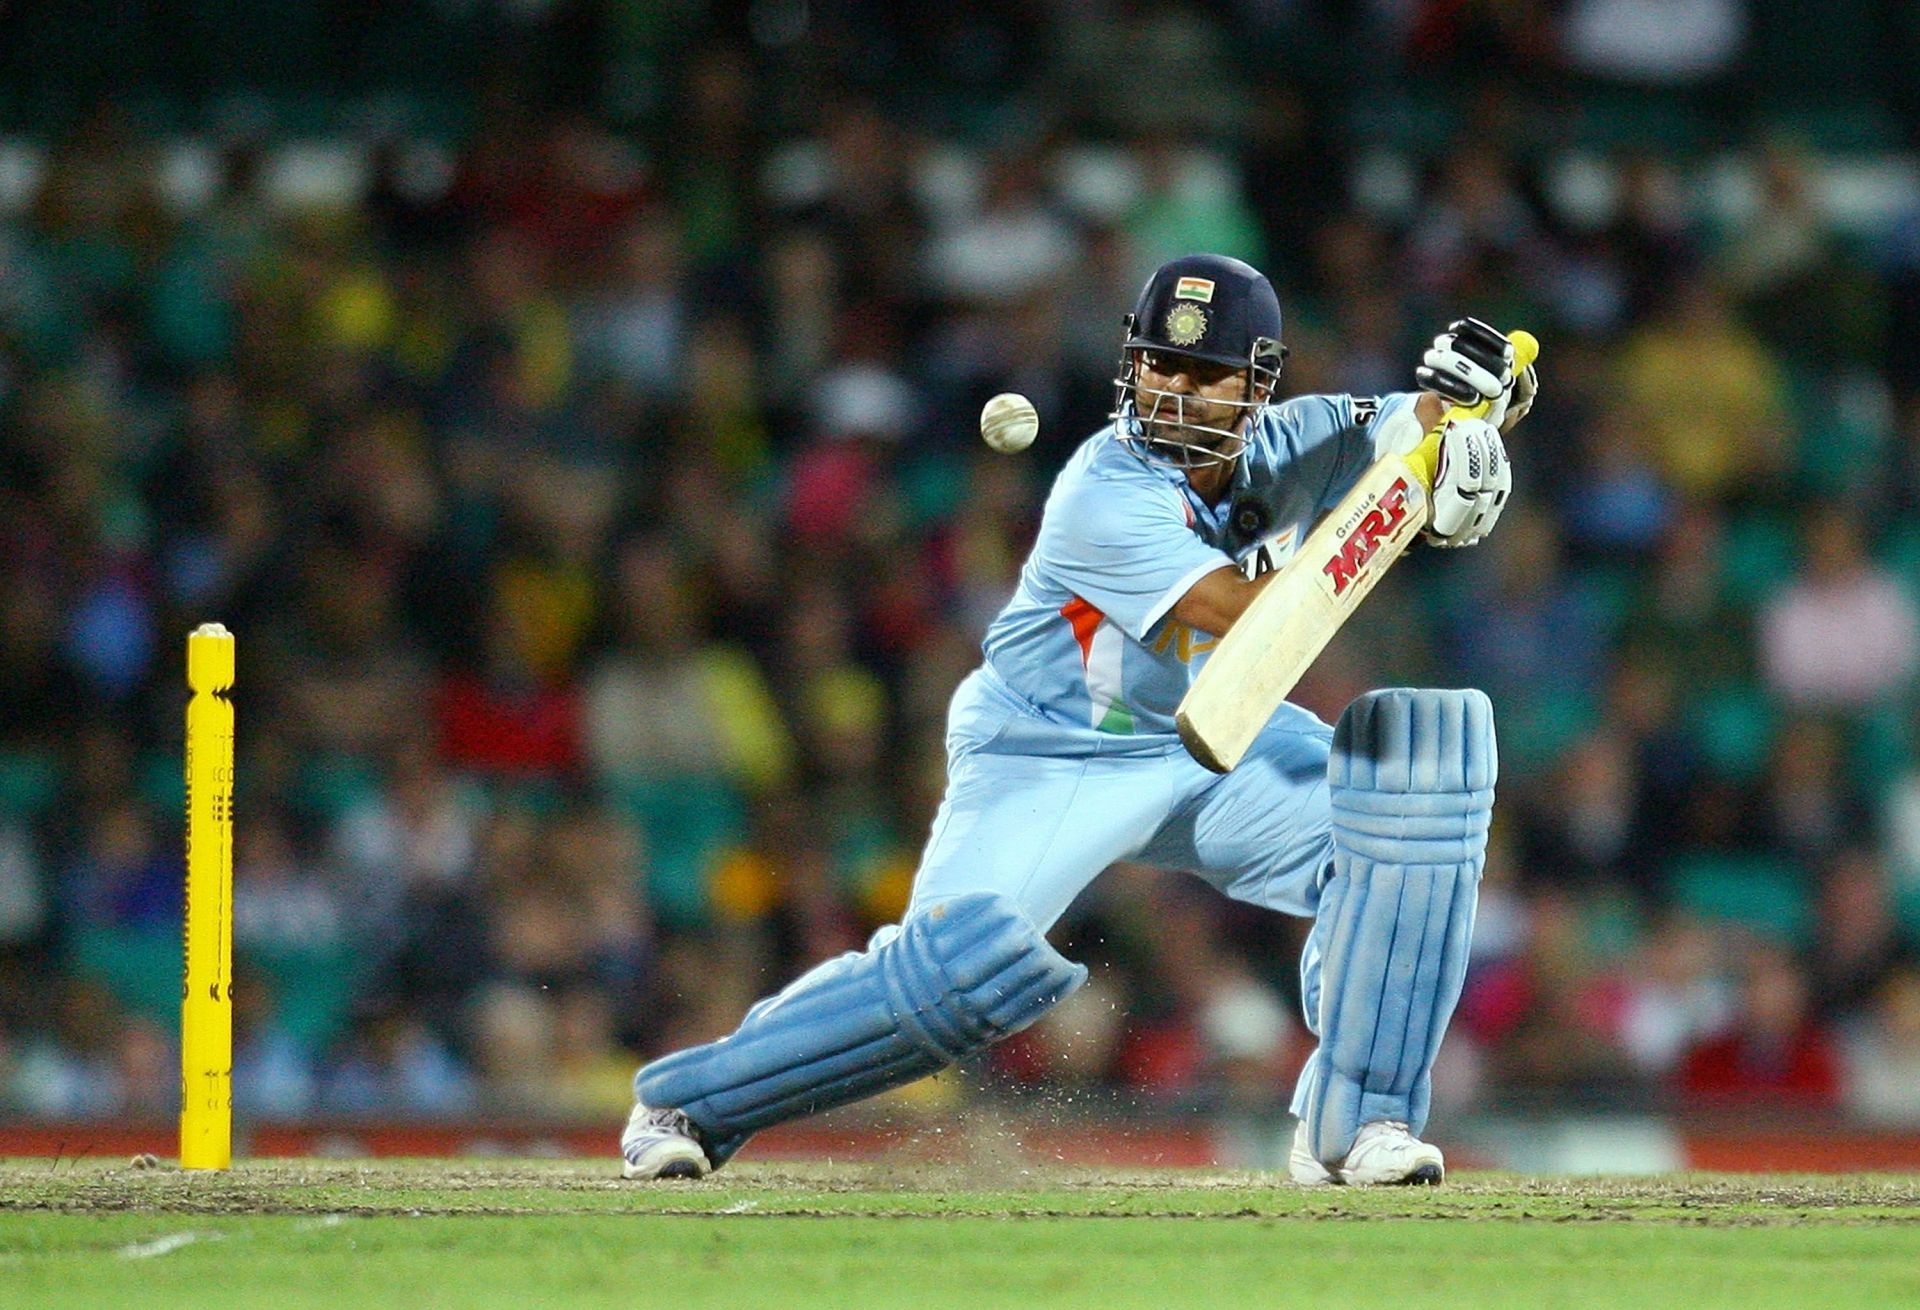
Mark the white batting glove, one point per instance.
(1473, 362)
(1469, 363)
(1471, 485)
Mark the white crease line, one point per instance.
(164, 1245)
(739, 1207)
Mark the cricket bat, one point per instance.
(1290, 622)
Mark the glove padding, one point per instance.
(1466, 363)
(1469, 363)
(1470, 484)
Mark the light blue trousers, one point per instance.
(1038, 826)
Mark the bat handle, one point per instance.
(1426, 456)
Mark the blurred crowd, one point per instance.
(597, 502)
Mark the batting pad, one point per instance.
(1411, 782)
(950, 983)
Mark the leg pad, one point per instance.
(950, 983)
(1411, 781)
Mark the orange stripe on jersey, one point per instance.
(1084, 619)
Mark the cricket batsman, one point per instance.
(1063, 757)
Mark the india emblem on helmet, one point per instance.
(1186, 323)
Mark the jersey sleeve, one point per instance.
(1124, 547)
(1342, 436)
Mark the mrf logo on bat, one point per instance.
(1371, 525)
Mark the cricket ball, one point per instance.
(1009, 423)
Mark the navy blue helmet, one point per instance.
(1207, 308)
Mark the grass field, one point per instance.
(527, 1234)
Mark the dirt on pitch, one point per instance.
(1006, 1189)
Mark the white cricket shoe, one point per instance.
(1383, 1154)
(1303, 1167)
(661, 1144)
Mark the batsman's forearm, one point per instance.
(1214, 603)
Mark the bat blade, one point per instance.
(1293, 618)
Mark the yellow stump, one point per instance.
(206, 996)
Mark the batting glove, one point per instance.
(1469, 363)
(1471, 483)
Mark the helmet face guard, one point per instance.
(1213, 310)
(1153, 420)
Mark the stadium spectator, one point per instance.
(1839, 590)
(1776, 1053)
(1674, 995)
(1857, 937)
(1705, 396)
(1882, 1055)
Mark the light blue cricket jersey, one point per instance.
(1086, 644)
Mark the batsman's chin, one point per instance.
(1185, 447)
(1195, 432)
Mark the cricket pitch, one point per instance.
(523, 1233)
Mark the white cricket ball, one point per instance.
(1008, 422)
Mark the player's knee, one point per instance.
(1415, 740)
(965, 972)
(1411, 776)
(955, 978)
